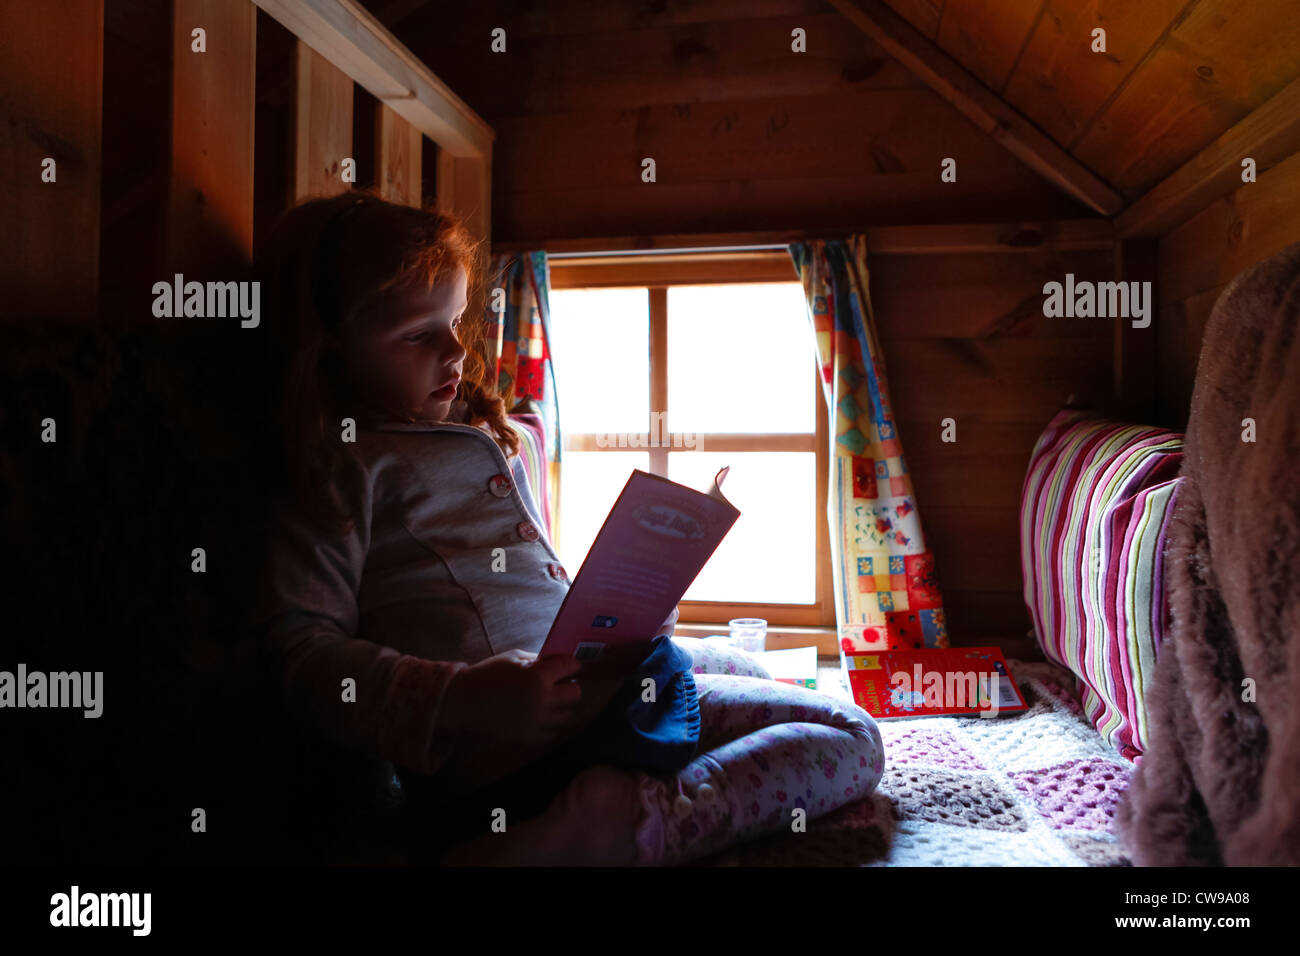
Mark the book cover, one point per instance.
(793, 665)
(653, 544)
(933, 682)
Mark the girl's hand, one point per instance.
(669, 623)
(514, 697)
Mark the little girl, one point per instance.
(410, 582)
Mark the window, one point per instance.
(713, 364)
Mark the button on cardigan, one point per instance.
(434, 576)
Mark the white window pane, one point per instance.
(600, 350)
(741, 358)
(590, 483)
(770, 554)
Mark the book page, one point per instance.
(652, 546)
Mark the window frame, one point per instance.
(657, 273)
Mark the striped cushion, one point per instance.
(532, 454)
(1093, 513)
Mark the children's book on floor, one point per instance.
(653, 544)
(933, 682)
(793, 665)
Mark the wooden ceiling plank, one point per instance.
(1066, 235)
(922, 14)
(987, 38)
(1060, 83)
(714, 62)
(1221, 60)
(348, 36)
(983, 107)
(1268, 135)
(553, 19)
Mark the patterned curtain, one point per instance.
(886, 590)
(517, 342)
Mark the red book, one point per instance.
(933, 682)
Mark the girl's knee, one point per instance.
(714, 658)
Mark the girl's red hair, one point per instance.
(321, 264)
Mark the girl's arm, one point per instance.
(363, 695)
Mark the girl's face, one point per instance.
(404, 353)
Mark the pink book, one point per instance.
(653, 545)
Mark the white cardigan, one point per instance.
(448, 564)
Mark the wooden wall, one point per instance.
(1200, 257)
(1175, 74)
(746, 134)
(51, 92)
(945, 361)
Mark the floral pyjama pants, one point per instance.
(767, 750)
(771, 757)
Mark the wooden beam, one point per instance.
(1268, 135)
(1067, 235)
(210, 202)
(346, 34)
(322, 125)
(981, 105)
(52, 77)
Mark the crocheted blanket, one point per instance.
(1037, 788)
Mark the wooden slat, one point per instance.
(1182, 328)
(987, 39)
(397, 158)
(720, 62)
(1060, 83)
(984, 616)
(1200, 257)
(322, 125)
(1067, 235)
(922, 14)
(1135, 349)
(1223, 60)
(346, 35)
(657, 300)
(975, 296)
(1013, 380)
(464, 187)
(1232, 233)
(51, 75)
(210, 206)
(559, 18)
(993, 116)
(967, 238)
(984, 467)
(974, 548)
(899, 136)
(774, 266)
(1268, 135)
(817, 204)
(274, 134)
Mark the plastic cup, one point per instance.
(748, 634)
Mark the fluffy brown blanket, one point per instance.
(1220, 783)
